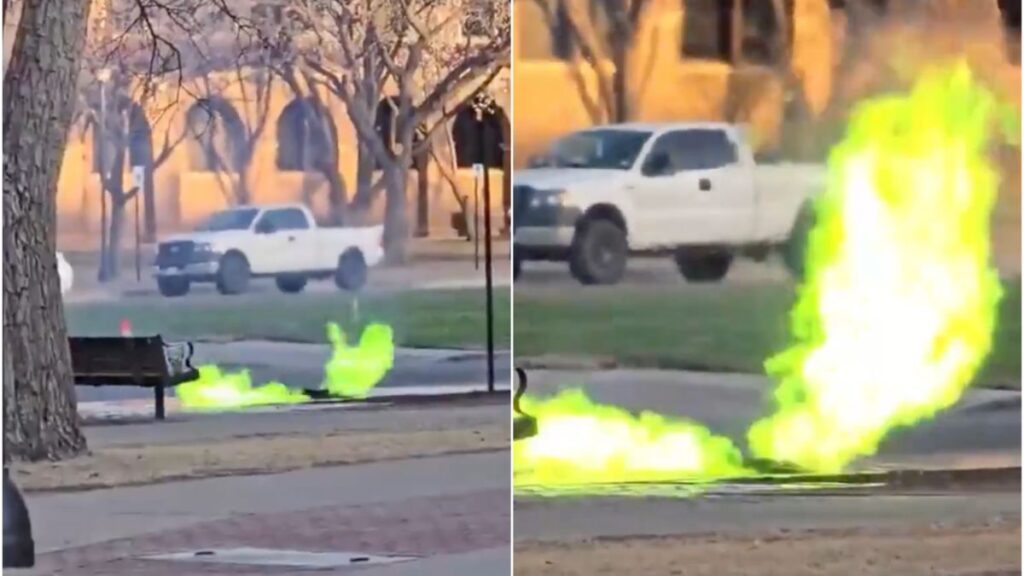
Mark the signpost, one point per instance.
(138, 183)
(480, 169)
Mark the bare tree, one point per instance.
(425, 56)
(40, 84)
(598, 35)
(228, 144)
(40, 419)
(123, 139)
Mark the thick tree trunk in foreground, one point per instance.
(40, 417)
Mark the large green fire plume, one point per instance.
(891, 325)
(351, 372)
(900, 302)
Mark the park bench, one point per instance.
(146, 362)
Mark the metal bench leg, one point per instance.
(158, 396)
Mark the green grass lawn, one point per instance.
(718, 328)
(443, 318)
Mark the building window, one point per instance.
(562, 33)
(762, 41)
(1010, 10)
(707, 29)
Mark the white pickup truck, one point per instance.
(689, 189)
(281, 242)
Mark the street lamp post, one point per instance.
(103, 76)
(488, 267)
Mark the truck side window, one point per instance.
(286, 219)
(716, 149)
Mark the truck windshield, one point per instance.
(239, 219)
(605, 148)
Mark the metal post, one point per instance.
(102, 153)
(476, 222)
(487, 253)
(138, 249)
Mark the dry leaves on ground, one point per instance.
(991, 549)
(131, 465)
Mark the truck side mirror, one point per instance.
(657, 164)
(265, 227)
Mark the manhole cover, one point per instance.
(273, 557)
(684, 490)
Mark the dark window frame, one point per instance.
(279, 212)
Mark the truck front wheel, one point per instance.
(172, 287)
(703, 267)
(517, 266)
(233, 274)
(599, 252)
(794, 251)
(351, 272)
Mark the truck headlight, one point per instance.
(203, 248)
(546, 198)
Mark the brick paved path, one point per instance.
(417, 527)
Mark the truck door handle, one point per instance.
(704, 184)
(291, 238)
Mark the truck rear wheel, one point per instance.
(351, 272)
(517, 266)
(703, 267)
(290, 283)
(173, 287)
(598, 254)
(794, 251)
(233, 274)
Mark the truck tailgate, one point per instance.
(781, 191)
(332, 242)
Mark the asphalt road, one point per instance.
(650, 270)
(982, 431)
(432, 275)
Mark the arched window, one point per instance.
(306, 139)
(216, 136)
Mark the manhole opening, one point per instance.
(277, 557)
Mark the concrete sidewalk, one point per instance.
(453, 511)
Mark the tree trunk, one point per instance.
(620, 85)
(114, 237)
(337, 199)
(243, 194)
(40, 417)
(363, 198)
(149, 206)
(396, 226)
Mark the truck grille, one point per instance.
(521, 196)
(174, 254)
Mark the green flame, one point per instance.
(351, 372)
(891, 326)
(899, 307)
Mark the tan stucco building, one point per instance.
(685, 64)
(187, 186)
